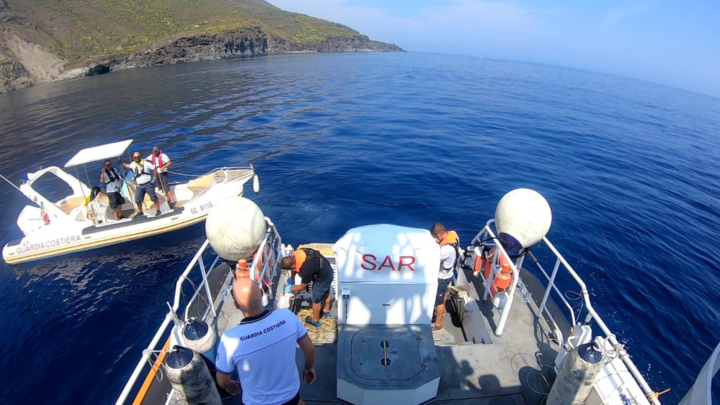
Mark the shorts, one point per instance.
(320, 291)
(146, 188)
(294, 401)
(116, 199)
(163, 183)
(442, 290)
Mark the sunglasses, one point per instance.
(136, 157)
(108, 165)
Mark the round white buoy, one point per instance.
(189, 376)
(235, 227)
(256, 184)
(199, 336)
(522, 218)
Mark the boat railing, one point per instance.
(486, 235)
(264, 264)
(225, 171)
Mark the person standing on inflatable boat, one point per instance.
(112, 181)
(162, 163)
(449, 243)
(142, 169)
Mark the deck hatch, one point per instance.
(400, 360)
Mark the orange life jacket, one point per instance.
(450, 239)
(453, 240)
(157, 161)
(300, 256)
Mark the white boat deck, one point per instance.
(515, 368)
(508, 371)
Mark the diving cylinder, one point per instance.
(522, 219)
(189, 376)
(579, 372)
(199, 336)
(235, 228)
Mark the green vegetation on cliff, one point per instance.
(79, 30)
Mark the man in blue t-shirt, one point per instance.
(262, 351)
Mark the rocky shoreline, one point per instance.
(238, 43)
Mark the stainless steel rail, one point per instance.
(486, 234)
(268, 254)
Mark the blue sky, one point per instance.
(676, 43)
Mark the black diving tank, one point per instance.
(198, 336)
(578, 375)
(189, 376)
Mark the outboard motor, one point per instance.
(578, 375)
(189, 376)
(199, 336)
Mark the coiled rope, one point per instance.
(326, 333)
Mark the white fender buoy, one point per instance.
(256, 184)
(235, 228)
(522, 218)
(198, 336)
(189, 376)
(577, 377)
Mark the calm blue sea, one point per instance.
(629, 168)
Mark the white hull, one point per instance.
(71, 229)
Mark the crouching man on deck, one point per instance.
(312, 266)
(262, 351)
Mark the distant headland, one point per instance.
(46, 40)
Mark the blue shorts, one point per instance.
(442, 290)
(320, 291)
(146, 188)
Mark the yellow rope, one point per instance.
(326, 333)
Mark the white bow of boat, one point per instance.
(483, 337)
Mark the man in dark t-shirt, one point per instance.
(312, 266)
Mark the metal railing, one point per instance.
(487, 235)
(267, 257)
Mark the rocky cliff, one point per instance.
(43, 40)
(221, 45)
(359, 43)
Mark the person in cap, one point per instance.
(312, 266)
(449, 244)
(261, 349)
(142, 169)
(162, 163)
(110, 177)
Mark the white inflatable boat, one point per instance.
(77, 222)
